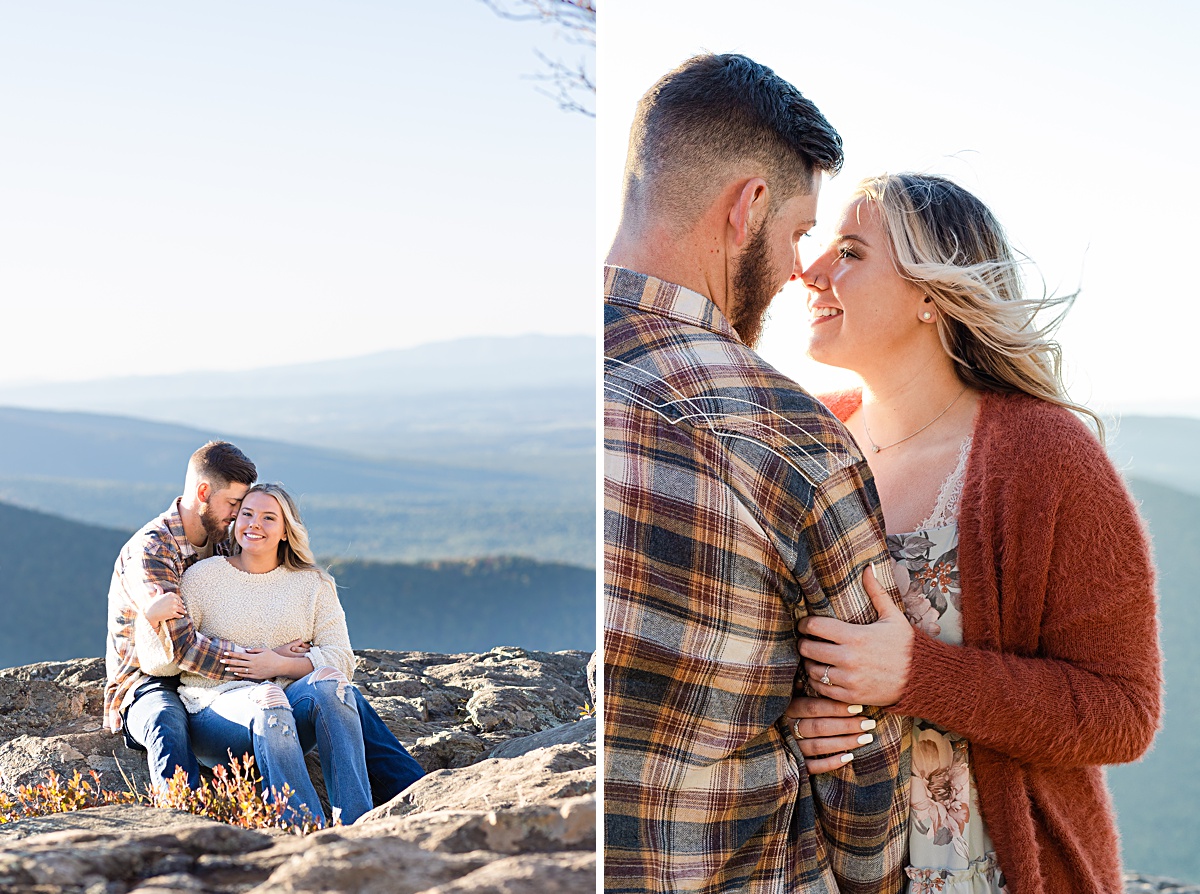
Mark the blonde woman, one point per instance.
(268, 593)
(1029, 654)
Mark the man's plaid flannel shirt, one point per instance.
(156, 556)
(734, 504)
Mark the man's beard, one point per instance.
(216, 528)
(753, 288)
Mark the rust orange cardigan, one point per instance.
(1060, 670)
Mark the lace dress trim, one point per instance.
(945, 510)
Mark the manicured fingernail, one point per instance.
(855, 709)
(846, 758)
(866, 739)
(867, 724)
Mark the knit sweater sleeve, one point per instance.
(1061, 666)
(331, 638)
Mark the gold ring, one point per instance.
(796, 728)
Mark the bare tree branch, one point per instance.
(574, 86)
(577, 16)
(569, 83)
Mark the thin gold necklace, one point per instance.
(876, 448)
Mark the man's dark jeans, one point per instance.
(157, 723)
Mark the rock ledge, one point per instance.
(509, 803)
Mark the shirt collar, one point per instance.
(665, 299)
(173, 518)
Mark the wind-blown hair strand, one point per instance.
(947, 242)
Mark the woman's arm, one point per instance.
(331, 638)
(151, 641)
(267, 664)
(1073, 578)
(1063, 564)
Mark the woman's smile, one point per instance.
(824, 313)
(259, 527)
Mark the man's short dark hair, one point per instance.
(713, 115)
(222, 464)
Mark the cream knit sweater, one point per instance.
(254, 611)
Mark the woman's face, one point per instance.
(861, 311)
(259, 527)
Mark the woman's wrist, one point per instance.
(297, 667)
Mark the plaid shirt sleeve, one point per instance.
(148, 564)
(863, 808)
(190, 650)
(725, 520)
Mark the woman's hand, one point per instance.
(164, 608)
(828, 731)
(865, 664)
(255, 664)
(294, 649)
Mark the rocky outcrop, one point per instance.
(509, 803)
(1153, 884)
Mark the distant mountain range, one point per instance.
(118, 472)
(479, 447)
(55, 574)
(477, 401)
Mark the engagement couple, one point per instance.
(225, 637)
(873, 641)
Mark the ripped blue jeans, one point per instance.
(278, 726)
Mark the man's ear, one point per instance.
(203, 491)
(749, 210)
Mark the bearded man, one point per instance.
(734, 504)
(148, 569)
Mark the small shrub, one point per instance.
(234, 796)
(57, 795)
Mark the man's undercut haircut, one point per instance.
(221, 464)
(717, 116)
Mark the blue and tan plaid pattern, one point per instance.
(157, 555)
(734, 504)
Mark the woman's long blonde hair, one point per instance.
(294, 550)
(951, 246)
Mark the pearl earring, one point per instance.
(927, 316)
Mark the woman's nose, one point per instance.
(813, 276)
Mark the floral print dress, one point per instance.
(949, 850)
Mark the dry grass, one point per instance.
(234, 796)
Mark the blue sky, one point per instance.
(1077, 124)
(239, 184)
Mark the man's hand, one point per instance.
(295, 649)
(165, 607)
(828, 731)
(255, 664)
(865, 664)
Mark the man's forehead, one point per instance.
(234, 490)
(801, 209)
